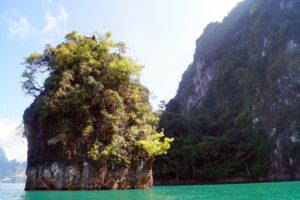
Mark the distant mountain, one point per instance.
(2, 156)
(11, 171)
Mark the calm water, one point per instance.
(261, 191)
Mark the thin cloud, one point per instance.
(55, 26)
(56, 23)
(20, 28)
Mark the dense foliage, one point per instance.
(91, 106)
(244, 124)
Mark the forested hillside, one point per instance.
(236, 112)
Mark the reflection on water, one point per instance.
(254, 191)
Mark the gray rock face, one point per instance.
(267, 109)
(198, 77)
(87, 177)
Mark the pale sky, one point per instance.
(160, 34)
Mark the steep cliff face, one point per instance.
(60, 176)
(58, 166)
(91, 125)
(67, 167)
(240, 97)
(198, 77)
(210, 49)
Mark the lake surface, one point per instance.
(253, 191)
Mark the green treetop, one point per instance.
(92, 96)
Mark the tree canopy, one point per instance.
(92, 101)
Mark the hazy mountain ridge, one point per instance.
(11, 171)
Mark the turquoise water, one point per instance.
(255, 191)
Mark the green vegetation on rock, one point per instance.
(91, 106)
(236, 113)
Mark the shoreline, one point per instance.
(237, 180)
